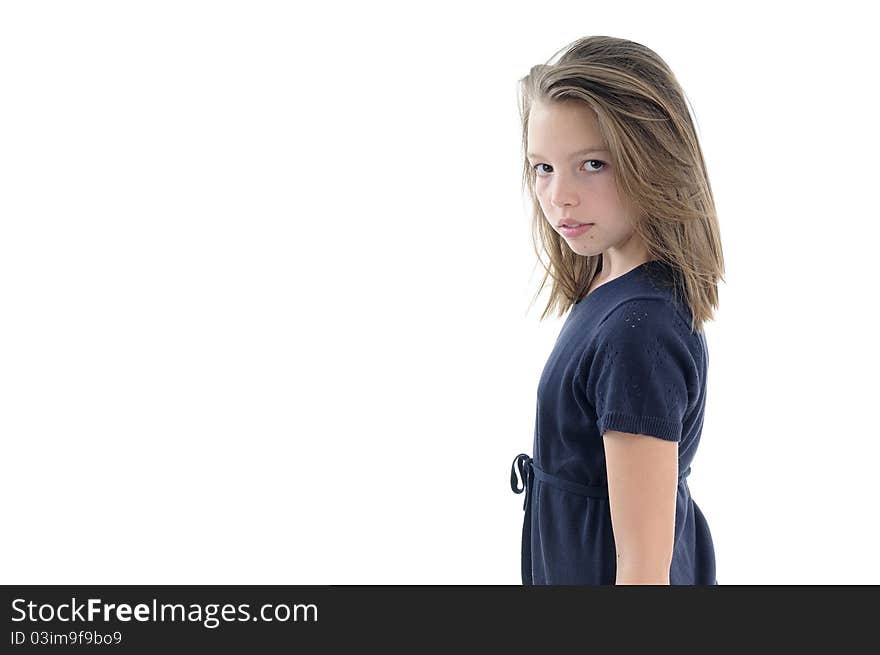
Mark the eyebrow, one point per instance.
(533, 155)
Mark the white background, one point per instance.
(265, 284)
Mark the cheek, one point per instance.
(543, 201)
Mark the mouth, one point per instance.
(576, 229)
(570, 223)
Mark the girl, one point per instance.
(623, 208)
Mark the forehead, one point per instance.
(563, 130)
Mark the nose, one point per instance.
(562, 193)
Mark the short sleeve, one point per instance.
(642, 375)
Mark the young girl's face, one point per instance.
(574, 180)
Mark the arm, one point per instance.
(641, 377)
(642, 489)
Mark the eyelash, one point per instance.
(604, 165)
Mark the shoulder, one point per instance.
(646, 365)
(642, 314)
(652, 326)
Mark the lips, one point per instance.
(569, 223)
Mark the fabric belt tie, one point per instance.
(528, 473)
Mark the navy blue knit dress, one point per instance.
(625, 359)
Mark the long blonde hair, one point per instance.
(659, 168)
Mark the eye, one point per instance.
(602, 164)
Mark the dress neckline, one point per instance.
(622, 276)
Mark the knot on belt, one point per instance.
(523, 464)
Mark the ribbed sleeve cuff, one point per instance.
(661, 428)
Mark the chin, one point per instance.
(585, 250)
